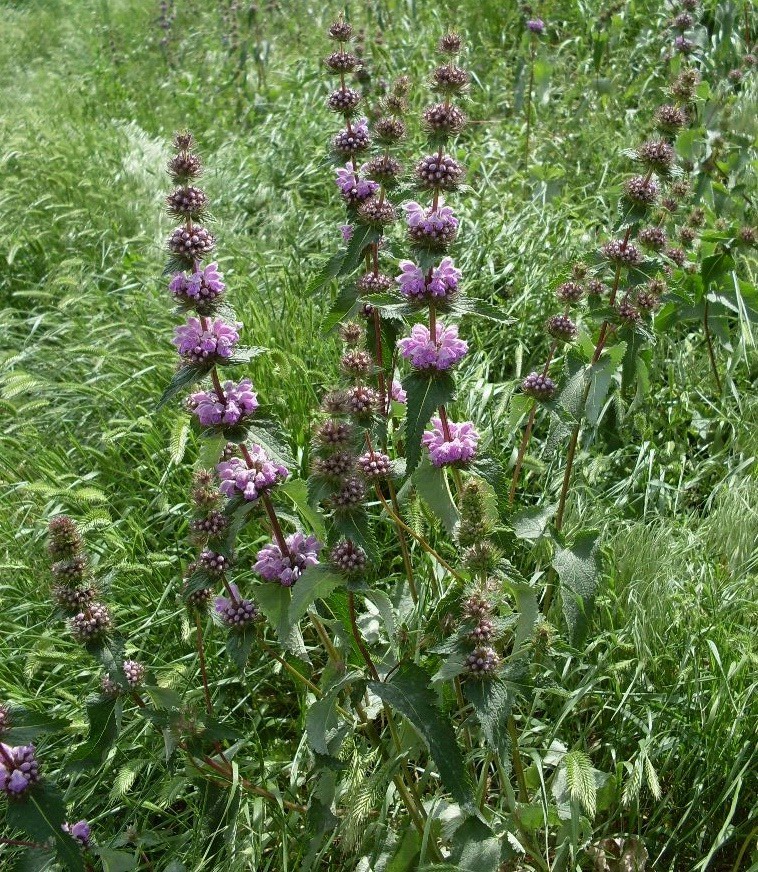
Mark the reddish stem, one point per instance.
(201, 659)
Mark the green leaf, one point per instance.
(269, 435)
(40, 815)
(164, 697)
(356, 526)
(244, 354)
(274, 601)
(492, 703)
(432, 485)
(409, 693)
(363, 235)
(577, 568)
(472, 306)
(715, 267)
(426, 393)
(317, 582)
(189, 374)
(28, 725)
(405, 858)
(238, 645)
(601, 376)
(116, 861)
(104, 717)
(297, 490)
(475, 847)
(531, 524)
(322, 720)
(528, 610)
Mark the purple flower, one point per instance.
(234, 611)
(200, 286)
(425, 354)
(536, 25)
(19, 769)
(353, 188)
(397, 393)
(347, 232)
(237, 477)
(443, 281)
(80, 831)
(239, 402)
(458, 450)
(272, 565)
(196, 342)
(433, 228)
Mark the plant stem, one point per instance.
(407, 563)
(709, 343)
(517, 764)
(275, 526)
(201, 659)
(358, 638)
(420, 539)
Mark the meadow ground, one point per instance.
(91, 97)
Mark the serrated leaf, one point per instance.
(297, 490)
(426, 393)
(238, 645)
(189, 374)
(317, 582)
(469, 305)
(28, 725)
(356, 526)
(492, 703)
(475, 847)
(409, 692)
(577, 568)
(531, 524)
(41, 815)
(321, 719)
(269, 435)
(104, 716)
(116, 861)
(432, 486)
(601, 376)
(274, 600)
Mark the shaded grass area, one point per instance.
(90, 102)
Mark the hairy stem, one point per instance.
(201, 659)
(358, 638)
(709, 344)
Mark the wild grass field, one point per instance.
(661, 697)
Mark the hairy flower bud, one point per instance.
(653, 238)
(374, 465)
(482, 662)
(91, 624)
(389, 130)
(342, 62)
(450, 79)
(444, 119)
(450, 44)
(435, 173)
(191, 242)
(569, 292)
(562, 328)
(538, 386)
(64, 539)
(334, 434)
(348, 558)
(344, 101)
(187, 202)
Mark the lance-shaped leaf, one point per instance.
(317, 582)
(425, 394)
(40, 815)
(577, 568)
(28, 725)
(409, 693)
(104, 718)
(432, 486)
(492, 703)
(189, 374)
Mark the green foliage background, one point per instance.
(90, 100)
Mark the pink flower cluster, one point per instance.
(272, 565)
(458, 450)
(441, 282)
(196, 343)
(445, 352)
(239, 401)
(353, 188)
(19, 769)
(250, 478)
(200, 286)
(431, 227)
